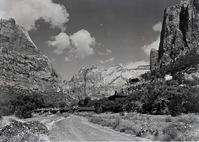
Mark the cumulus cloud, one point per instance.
(108, 51)
(26, 12)
(79, 45)
(60, 42)
(106, 61)
(82, 43)
(155, 44)
(157, 27)
(132, 65)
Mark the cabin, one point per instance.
(90, 109)
(117, 96)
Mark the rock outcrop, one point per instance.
(180, 32)
(154, 59)
(96, 82)
(22, 65)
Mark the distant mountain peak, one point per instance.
(97, 82)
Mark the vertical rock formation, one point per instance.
(22, 65)
(180, 31)
(153, 59)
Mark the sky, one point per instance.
(79, 33)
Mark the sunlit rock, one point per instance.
(22, 65)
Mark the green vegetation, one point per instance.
(184, 62)
(156, 98)
(22, 102)
(24, 105)
(153, 127)
(164, 98)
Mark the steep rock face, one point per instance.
(154, 59)
(180, 31)
(22, 65)
(96, 82)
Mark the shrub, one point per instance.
(146, 76)
(97, 120)
(168, 119)
(6, 109)
(116, 123)
(174, 131)
(23, 105)
(24, 111)
(21, 132)
(163, 98)
(188, 60)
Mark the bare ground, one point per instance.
(76, 128)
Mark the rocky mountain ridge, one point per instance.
(180, 31)
(96, 82)
(22, 65)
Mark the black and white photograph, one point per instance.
(99, 70)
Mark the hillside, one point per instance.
(22, 65)
(97, 83)
(27, 77)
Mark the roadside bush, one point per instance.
(23, 132)
(24, 111)
(174, 131)
(25, 104)
(116, 123)
(6, 109)
(168, 119)
(100, 121)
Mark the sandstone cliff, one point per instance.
(96, 82)
(22, 65)
(154, 59)
(180, 32)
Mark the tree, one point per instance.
(86, 101)
(81, 103)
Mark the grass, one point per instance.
(66, 114)
(85, 114)
(153, 127)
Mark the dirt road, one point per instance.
(75, 128)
